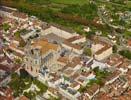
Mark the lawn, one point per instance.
(129, 4)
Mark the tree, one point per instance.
(125, 53)
(6, 27)
(114, 48)
(122, 22)
(96, 69)
(82, 89)
(87, 51)
(89, 34)
(23, 73)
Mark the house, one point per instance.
(29, 34)
(129, 43)
(12, 13)
(92, 91)
(68, 92)
(102, 96)
(6, 67)
(119, 62)
(115, 60)
(98, 64)
(68, 39)
(128, 75)
(87, 29)
(69, 63)
(6, 11)
(1, 20)
(75, 85)
(40, 53)
(101, 50)
(23, 98)
(63, 61)
(72, 47)
(59, 31)
(118, 87)
(20, 16)
(68, 72)
(83, 96)
(73, 44)
(76, 39)
(52, 92)
(112, 77)
(82, 80)
(55, 80)
(17, 52)
(125, 96)
(54, 38)
(44, 75)
(6, 94)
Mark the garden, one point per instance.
(26, 85)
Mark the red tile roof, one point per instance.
(129, 42)
(20, 15)
(92, 89)
(73, 38)
(75, 46)
(23, 98)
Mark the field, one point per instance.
(74, 14)
(65, 2)
(80, 2)
(129, 4)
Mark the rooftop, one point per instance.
(75, 46)
(54, 38)
(129, 42)
(63, 59)
(44, 45)
(20, 15)
(113, 75)
(102, 96)
(23, 98)
(6, 9)
(115, 60)
(92, 89)
(103, 49)
(68, 72)
(74, 38)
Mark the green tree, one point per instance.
(125, 53)
(89, 34)
(114, 48)
(87, 51)
(6, 26)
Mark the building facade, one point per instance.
(41, 53)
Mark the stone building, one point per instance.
(39, 54)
